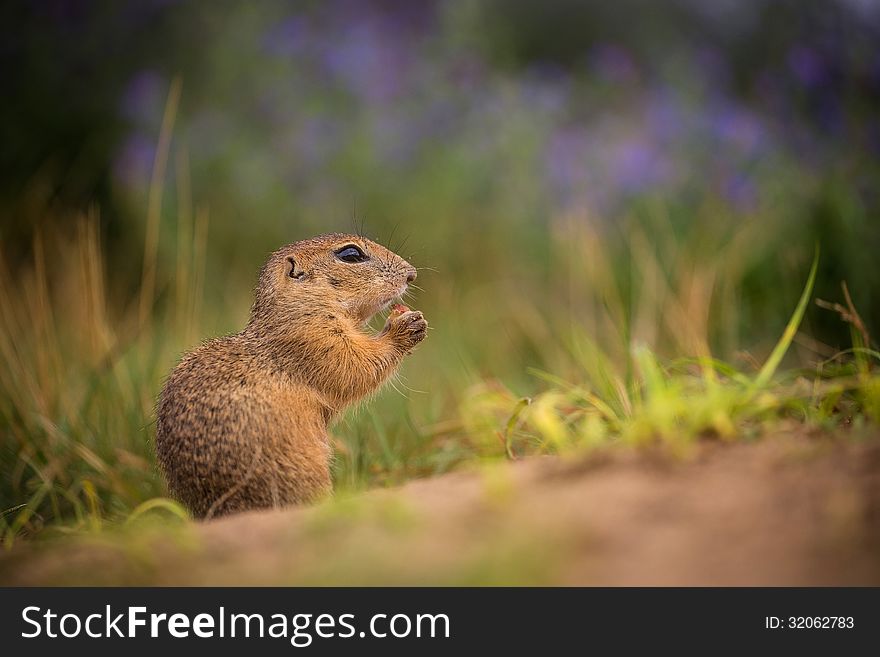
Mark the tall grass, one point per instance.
(78, 384)
(82, 366)
(571, 332)
(636, 398)
(596, 352)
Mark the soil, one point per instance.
(793, 508)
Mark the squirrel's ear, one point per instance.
(294, 271)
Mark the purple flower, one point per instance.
(807, 66)
(613, 63)
(547, 94)
(367, 61)
(133, 164)
(740, 191)
(143, 100)
(636, 165)
(665, 118)
(288, 38)
(738, 128)
(565, 161)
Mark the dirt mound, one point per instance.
(790, 509)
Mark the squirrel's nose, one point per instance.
(411, 275)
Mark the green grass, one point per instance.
(80, 376)
(669, 324)
(679, 402)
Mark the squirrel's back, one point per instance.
(233, 434)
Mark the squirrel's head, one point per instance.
(335, 274)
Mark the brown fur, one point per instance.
(242, 420)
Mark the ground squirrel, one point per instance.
(242, 420)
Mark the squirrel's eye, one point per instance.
(351, 254)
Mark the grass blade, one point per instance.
(769, 368)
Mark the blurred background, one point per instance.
(564, 171)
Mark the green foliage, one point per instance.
(689, 399)
(647, 327)
(598, 352)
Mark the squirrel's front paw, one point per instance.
(407, 329)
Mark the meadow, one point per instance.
(611, 343)
(616, 255)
